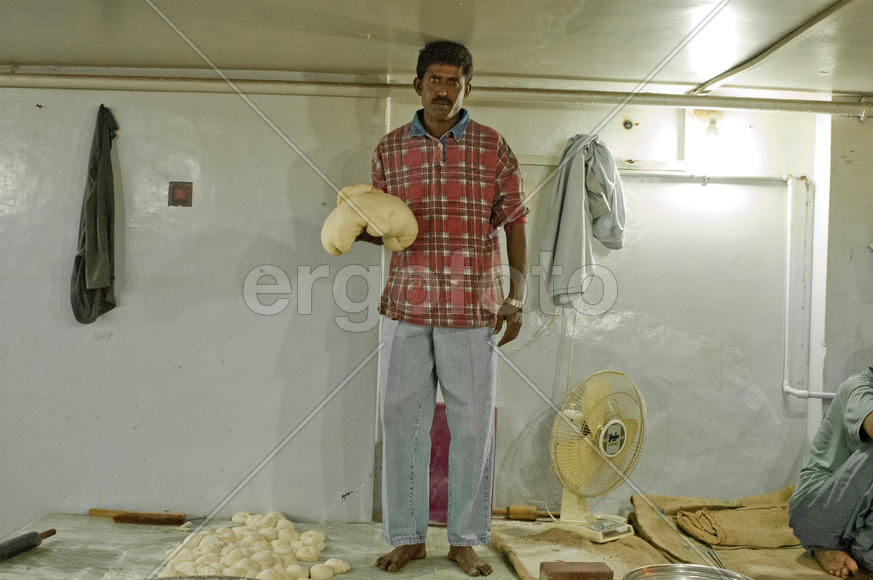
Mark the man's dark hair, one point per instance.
(445, 52)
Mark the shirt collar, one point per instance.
(457, 131)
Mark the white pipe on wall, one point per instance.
(789, 180)
(485, 94)
(818, 298)
(786, 383)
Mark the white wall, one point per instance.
(697, 324)
(849, 326)
(171, 399)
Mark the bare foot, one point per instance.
(836, 562)
(399, 556)
(469, 561)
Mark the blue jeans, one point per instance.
(837, 515)
(464, 362)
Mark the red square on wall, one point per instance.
(181, 193)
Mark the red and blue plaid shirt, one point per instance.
(460, 188)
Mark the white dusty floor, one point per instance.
(87, 548)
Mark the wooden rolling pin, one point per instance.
(527, 513)
(131, 517)
(23, 543)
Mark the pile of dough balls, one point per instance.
(265, 547)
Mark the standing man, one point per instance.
(831, 509)
(443, 305)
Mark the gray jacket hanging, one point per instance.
(588, 201)
(92, 289)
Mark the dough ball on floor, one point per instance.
(338, 566)
(297, 571)
(307, 554)
(272, 575)
(320, 572)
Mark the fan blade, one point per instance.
(577, 461)
(568, 424)
(631, 428)
(594, 399)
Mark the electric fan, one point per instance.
(596, 442)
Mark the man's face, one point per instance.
(443, 90)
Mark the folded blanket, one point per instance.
(758, 563)
(751, 527)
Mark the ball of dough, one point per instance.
(239, 531)
(285, 525)
(184, 555)
(320, 572)
(271, 575)
(231, 558)
(313, 535)
(191, 540)
(211, 544)
(287, 535)
(207, 560)
(227, 549)
(297, 571)
(254, 521)
(307, 554)
(319, 546)
(208, 571)
(288, 560)
(239, 571)
(240, 517)
(224, 533)
(390, 215)
(248, 540)
(260, 546)
(268, 534)
(274, 515)
(185, 568)
(264, 558)
(338, 566)
(281, 550)
(210, 549)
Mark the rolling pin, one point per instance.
(131, 517)
(527, 513)
(23, 543)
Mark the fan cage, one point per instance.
(573, 447)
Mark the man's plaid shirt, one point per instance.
(460, 188)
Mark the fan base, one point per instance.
(604, 528)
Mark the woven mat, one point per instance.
(758, 563)
(526, 545)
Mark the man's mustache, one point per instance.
(443, 101)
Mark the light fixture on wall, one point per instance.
(711, 118)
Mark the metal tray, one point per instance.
(683, 572)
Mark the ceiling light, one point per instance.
(711, 118)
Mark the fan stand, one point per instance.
(599, 528)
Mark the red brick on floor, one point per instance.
(575, 571)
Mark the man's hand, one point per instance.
(513, 318)
(365, 237)
(516, 248)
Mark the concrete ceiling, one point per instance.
(603, 40)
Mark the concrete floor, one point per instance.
(88, 548)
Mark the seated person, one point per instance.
(830, 510)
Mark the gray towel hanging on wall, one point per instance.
(92, 289)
